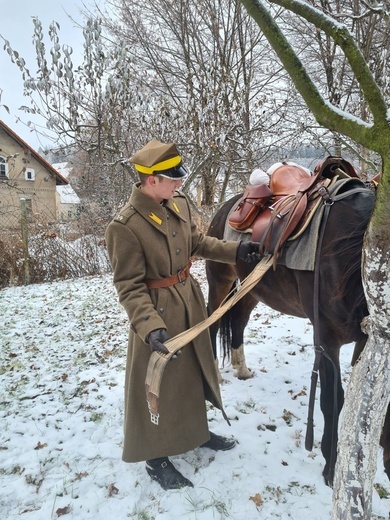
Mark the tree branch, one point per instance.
(326, 114)
(345, 41)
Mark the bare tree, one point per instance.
(198, 74)
(215, 72)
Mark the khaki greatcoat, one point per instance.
(152, 241)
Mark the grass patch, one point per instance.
(382, 492)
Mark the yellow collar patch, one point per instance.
(155, 218)
(175, 206)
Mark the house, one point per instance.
(24, 174)
(68, 204)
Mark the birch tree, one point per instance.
(368, 393)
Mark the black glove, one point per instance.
(248, 251)
(156, 340)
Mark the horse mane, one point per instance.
(353, 220)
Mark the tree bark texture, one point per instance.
(367, 397)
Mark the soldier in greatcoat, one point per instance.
(150, 244)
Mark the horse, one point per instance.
(340, 311)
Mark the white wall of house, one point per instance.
(25, 174)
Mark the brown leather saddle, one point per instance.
(283, 210)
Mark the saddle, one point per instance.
(283, 210)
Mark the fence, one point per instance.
(39, 251)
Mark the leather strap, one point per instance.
(179, 277)
(319, 350)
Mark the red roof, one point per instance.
(60, 180)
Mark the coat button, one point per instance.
(178, 251)
(174, 234)
(161, 310)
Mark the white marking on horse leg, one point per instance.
(239, 363)
(220, 380)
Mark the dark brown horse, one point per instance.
(342, 304)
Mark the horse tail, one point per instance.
(226, 327)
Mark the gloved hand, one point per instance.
(156, 340)
(248, 251)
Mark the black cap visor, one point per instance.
(178, 172)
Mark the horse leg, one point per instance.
(239, 318)
(385, 442)
(332, 399)
(239, 363)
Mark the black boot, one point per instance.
(219, 443)
(164, 472)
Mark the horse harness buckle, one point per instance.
(323, 191)
(154, 417)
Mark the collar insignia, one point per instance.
(175, 206)
(155, 218)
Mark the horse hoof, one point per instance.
(243, 375)
(328, 478)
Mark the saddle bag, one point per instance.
(249, 206)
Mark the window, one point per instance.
(3, 167)
(29, 174)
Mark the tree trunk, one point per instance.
(368, 393)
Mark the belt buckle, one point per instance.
(179, 275)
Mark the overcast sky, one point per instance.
(17, 27)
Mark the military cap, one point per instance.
(159, 159)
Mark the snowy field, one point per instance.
(62, 360)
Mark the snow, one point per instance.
(62, 359)
(63, 168)
(67, 194)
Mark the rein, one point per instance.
(158, 361)
(319, 350)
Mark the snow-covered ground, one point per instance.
(62, 360)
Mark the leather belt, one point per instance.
(179, 277)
